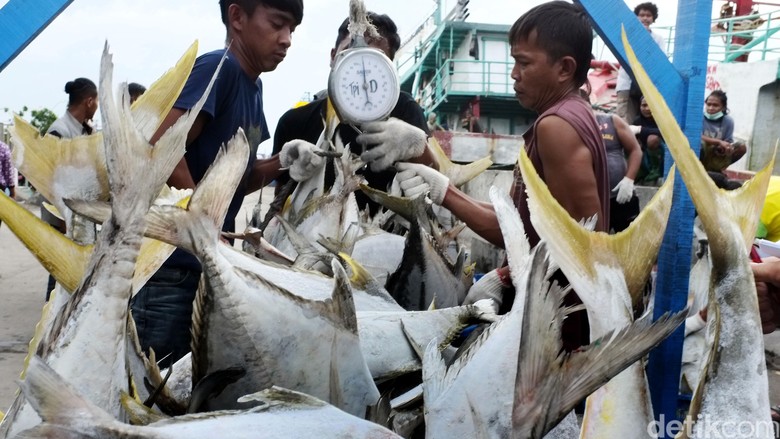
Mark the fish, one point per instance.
(733, 389)
(608, 272)
(278, 345)
(426, 272)
(514, 380)
(86, 342)
(458, 174)
(283, 413)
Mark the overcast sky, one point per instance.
(146, 38)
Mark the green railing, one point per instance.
(467, 77)
(757, 31)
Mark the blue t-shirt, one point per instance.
(235, 100)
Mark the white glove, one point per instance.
(393, 140)
(414, 179)
(298, 155)
(635, 129)
(625, 190)
(488, 287)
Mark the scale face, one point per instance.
(363, 85)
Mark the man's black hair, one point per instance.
(722, 181)
(562, 29)
(647, 6)
(384, 25)
(294, 7)
(135, 89)
(80, 89)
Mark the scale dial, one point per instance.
(363, 85)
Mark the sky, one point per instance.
(147, 37)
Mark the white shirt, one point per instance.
(623, 80)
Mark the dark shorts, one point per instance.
(162, 311)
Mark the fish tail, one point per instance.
(579, 252)
(58, 254)
(209, 203)
(458, 174)
(718, 209)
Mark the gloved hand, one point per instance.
(298, 155)
(393, 140)
(414, 179)
(490, 286)
(625, 190)
(635, 129)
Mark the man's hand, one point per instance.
(298, 155)
(415, 179)
(393, 140)
(625, 190)
(490, 286)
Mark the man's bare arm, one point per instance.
(426, 158)
(478, 215)
(568, 168)
(263, 172)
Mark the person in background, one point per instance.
(77, 121)
(402, 137)
(718, 149)
(624, 156)
(652, 143)
(7, 171)
(627, 91)
(135, 90)
(259, 33)
(551, 45)
(433, 124)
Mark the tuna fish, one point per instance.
(86, 343)
(608, 272)
(733, 390)
(283, 413)
(522, 351)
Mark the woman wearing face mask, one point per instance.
(718, 149)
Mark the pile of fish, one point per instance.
(338, 324)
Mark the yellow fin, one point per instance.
(151, 108)
(360, 277)
(718, 209)
(59, 255)
(32, 347)
(458, 174)
(46, 160)
(580, 252)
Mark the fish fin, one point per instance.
(201, 307)
(40, 327)
(210, 199)
(411, 209)
(518, 250)
(151, 107)
(718, 209)
(308, 254)
(336, 394)
(458, 174)
(41, 158)
(279, 396)
(56, 401)
(540, 339)
(59, 255)
(434, 371)
(137, 413)
(581, 253)
(586, 371)
(213, 384)
(342, 303)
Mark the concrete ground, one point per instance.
(23, 283)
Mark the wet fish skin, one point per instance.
(284, 413)
(733, 389)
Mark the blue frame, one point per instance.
(22, 21)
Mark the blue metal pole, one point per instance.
(682, 85)
(21, 21)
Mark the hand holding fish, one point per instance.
(393, 140)
(415, 179)
(625, 190)
(301, 158)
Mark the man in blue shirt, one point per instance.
(258, 35)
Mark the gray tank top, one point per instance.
(616, 158)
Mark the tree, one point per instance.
(41, 119)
